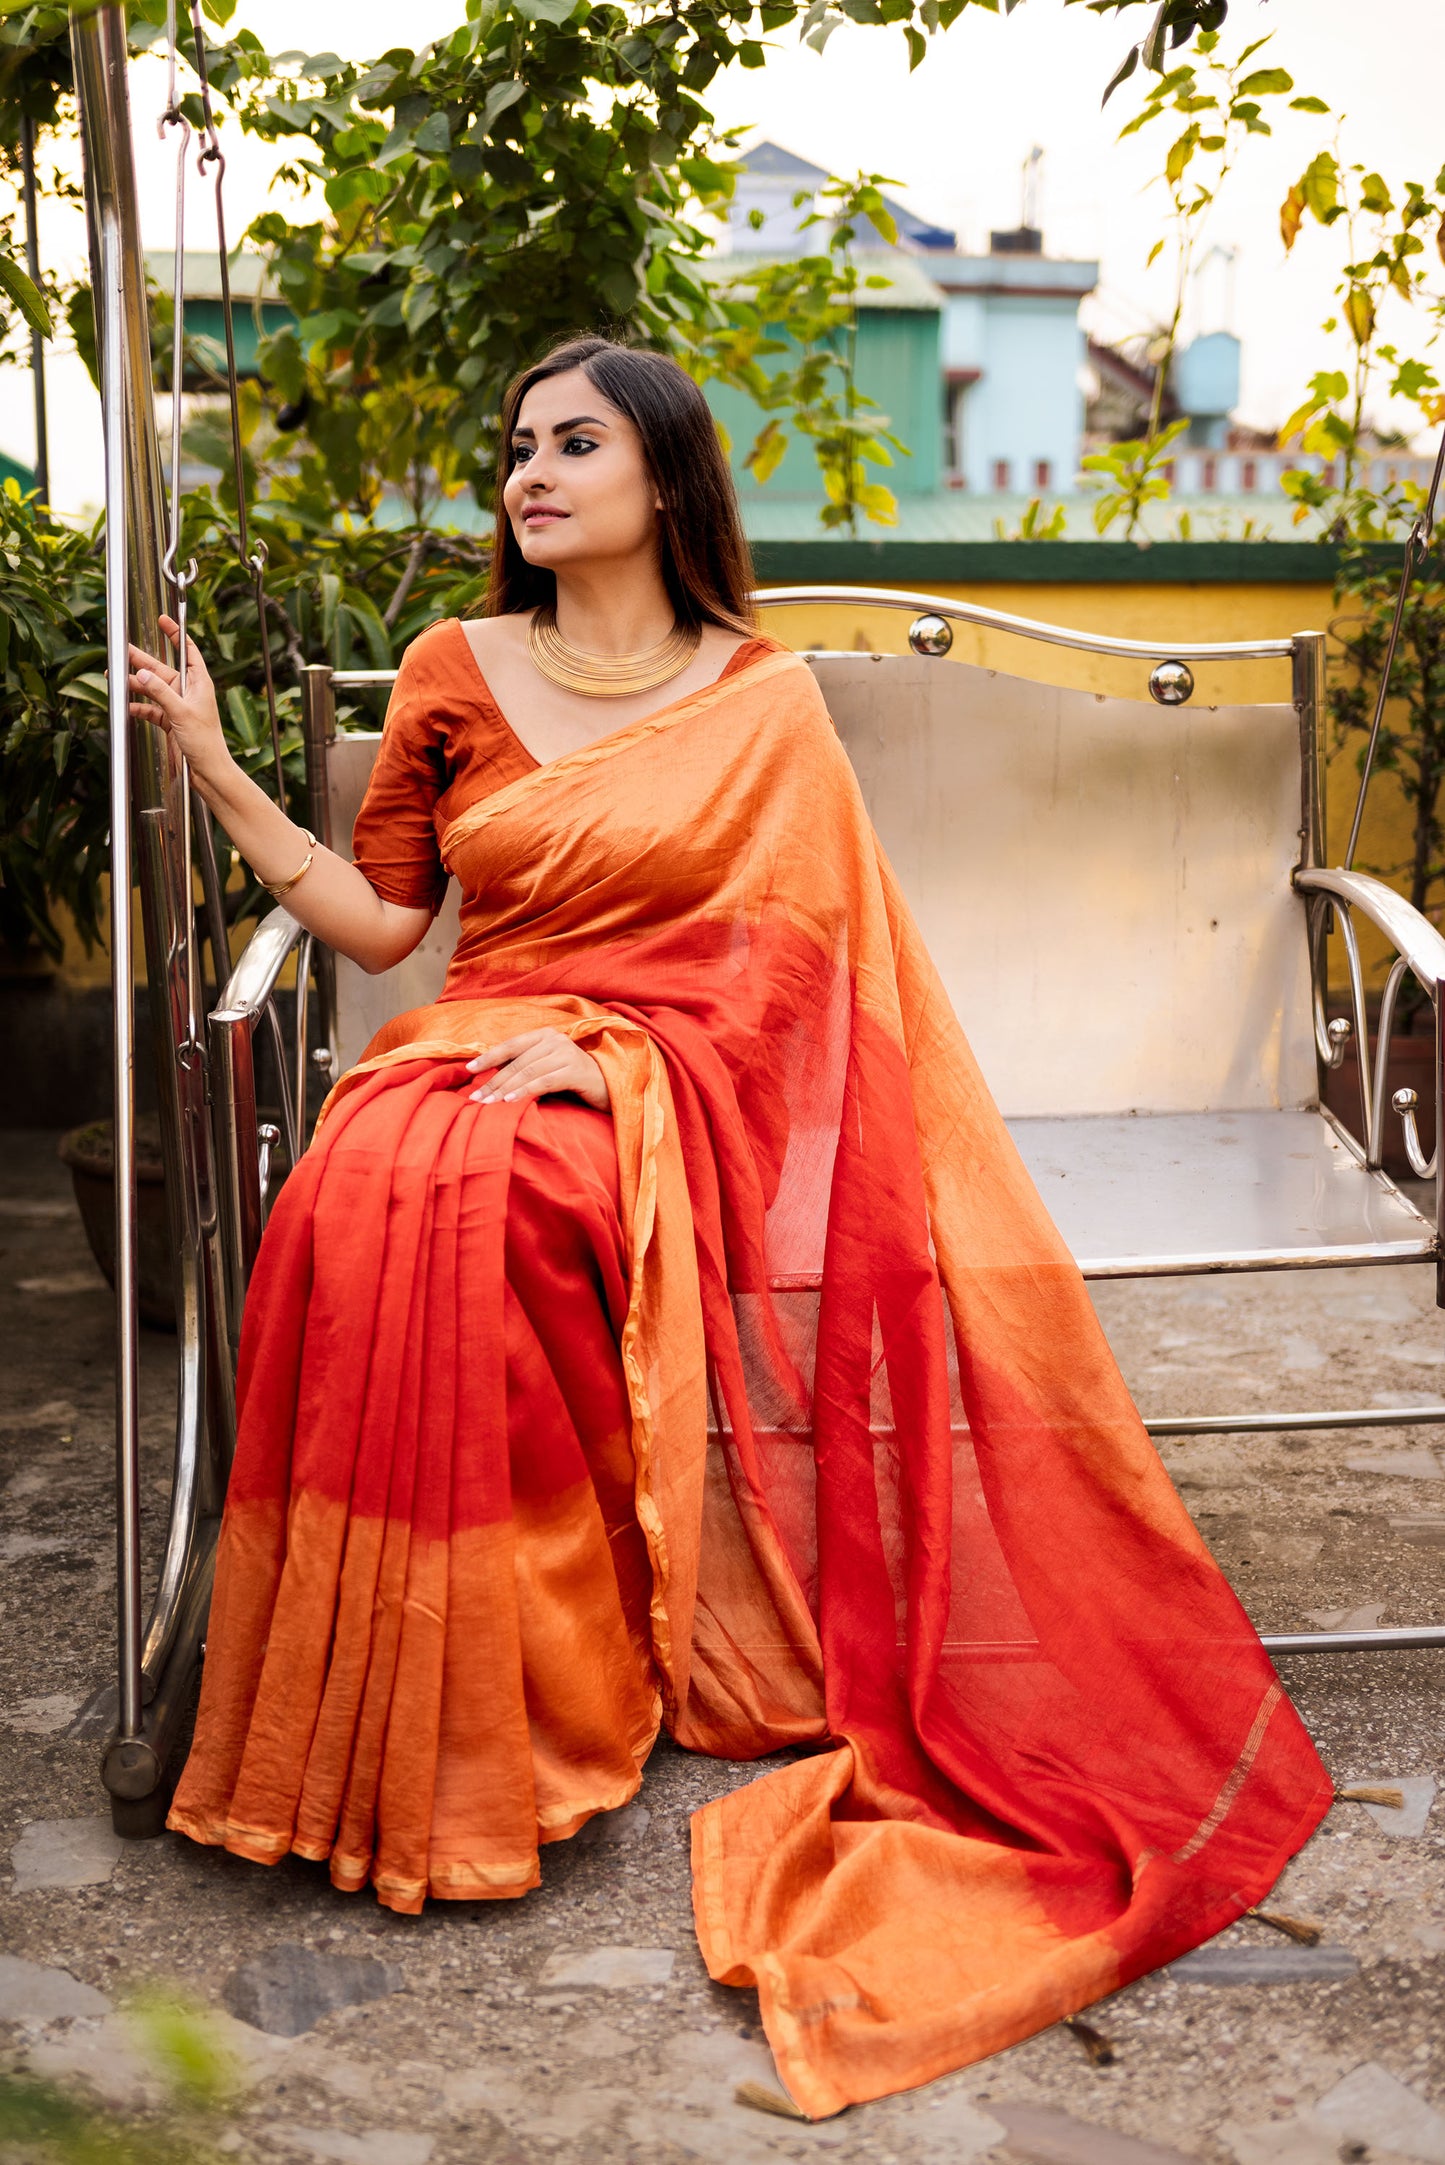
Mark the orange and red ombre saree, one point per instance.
(771, 1407)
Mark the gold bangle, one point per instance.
(282, 888)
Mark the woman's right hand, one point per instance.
(193, 722)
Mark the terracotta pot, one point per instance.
(1411, 1066)
(90, 1154)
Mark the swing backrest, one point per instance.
(1103, 883)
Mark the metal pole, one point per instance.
(1309, 699)
(127, 1350)
(238, 1187)
(1391, 1640)
(37, 338)
(148, 786)
(318, 732)
(1283, 1424)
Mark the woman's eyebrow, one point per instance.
(581, 420)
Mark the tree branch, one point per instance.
(405, 583)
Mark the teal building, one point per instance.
(977, 361)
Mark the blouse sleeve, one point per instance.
(394, 841)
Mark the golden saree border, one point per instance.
(663, 1355)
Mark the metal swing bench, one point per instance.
(1125, 896)
(1126, 901)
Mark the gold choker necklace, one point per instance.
(608, 676)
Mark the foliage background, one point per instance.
(549, 166)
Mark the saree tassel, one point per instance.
(762, 2099)
(1099, 2047)
(1393, 1798)
(1303, 1929)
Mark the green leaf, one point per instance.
(1151, 51)
(330, 586)
(370, 88)
(878, 503)
(18, 287)
(1308, 105)
(767, 453)
(434, 136)
(1301, 416)
(1413, 379)
(546, 11)
(358, 184)
(1180, 153)
(1122, 73)
(1358, 310)
(323, 329)
(1265, 83)
(500, 98)
(1291, 216)
(1320, 186)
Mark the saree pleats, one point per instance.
(772, 1407)
(430, 1540)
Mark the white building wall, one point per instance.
(964, 337)
(1027, 408)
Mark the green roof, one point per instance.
(12, 470)
(953, 515)
(909, 285)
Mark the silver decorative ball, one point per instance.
(1171, 683)
(930, 635)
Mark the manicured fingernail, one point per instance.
(474, 1097)
(510, 1094)
(142, 676)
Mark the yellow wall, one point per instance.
(79, 970)
(1162, 613)
(1158, 613)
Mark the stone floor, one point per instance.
(579, 2025)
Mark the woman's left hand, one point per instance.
(539, 1064)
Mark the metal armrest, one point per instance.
(242, 1152)
(1412, 935)
(1420, 949)
(253, 980)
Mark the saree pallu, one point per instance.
(836, 1455)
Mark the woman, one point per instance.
(662, 1327)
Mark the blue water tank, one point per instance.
(1206, 376)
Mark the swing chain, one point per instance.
(251, 553)
(173, 117)
(191, 1050)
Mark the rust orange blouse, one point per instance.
(445, 745)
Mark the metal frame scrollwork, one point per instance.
(1334, 899)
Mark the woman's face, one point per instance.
(579, 491)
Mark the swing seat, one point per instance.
(1126, 903)
(1127, 1196)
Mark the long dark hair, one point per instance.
(705, 559)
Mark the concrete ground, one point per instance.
(579, 2025)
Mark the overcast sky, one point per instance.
(953, 135)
